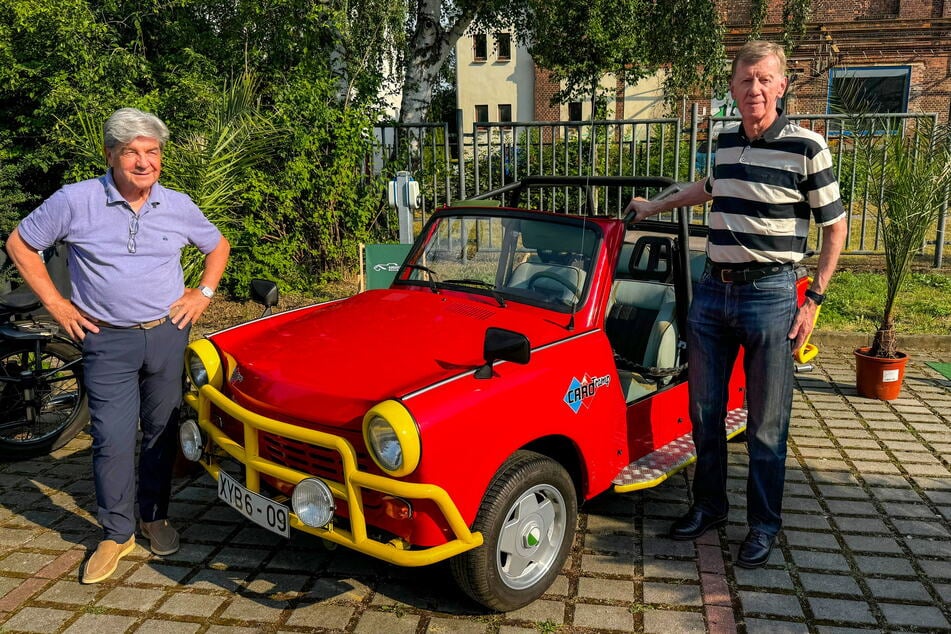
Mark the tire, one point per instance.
(63, 410)
(527, 519)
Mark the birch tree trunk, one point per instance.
(427, 50)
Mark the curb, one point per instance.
(837, 339)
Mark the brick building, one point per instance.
(895, 53)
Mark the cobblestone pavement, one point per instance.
(865, 547)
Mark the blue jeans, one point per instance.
(756, 316)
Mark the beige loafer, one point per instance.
(162, 536)
(106, 559)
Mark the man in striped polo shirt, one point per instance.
(770, 177)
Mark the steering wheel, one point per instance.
(548, 275)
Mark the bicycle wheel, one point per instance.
(59, 407)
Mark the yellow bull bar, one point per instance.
(349, 490)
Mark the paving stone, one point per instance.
(327, 588)
(851, 507)
(670, 569)
(125, 598)
(772, 626)
(919, 616)
(666, 621)
(610, 543)
(936, 569)
(898, 589)
(865, 544)
(606, 564)
(241, 558)
(841, 610)
(862, 525)
(37, 620)
(330, 616)
(28, 563)
(939, 548)
(672, 594)
(811, 540)
(814, 583)
(156, 574)
(819, 560)
(99, 623)
(540, 612)
(892, 566)
(770, 603)
(603, 617)
(255, 609)
(191, 604)
(771, 578)
(802, 520)
(610, 589)
(454, 626)
(225, 580)
(156, 626)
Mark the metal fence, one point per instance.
(492, 155)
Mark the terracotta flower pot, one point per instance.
(879, 378)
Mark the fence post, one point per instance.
(694, 122)
(461, 149)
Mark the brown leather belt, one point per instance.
(147, 325)
(745, 272)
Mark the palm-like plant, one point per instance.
(913, 171)
(210, 164)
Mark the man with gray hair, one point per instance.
(769, 179)
(132, 313)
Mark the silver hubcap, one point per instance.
(531, 537)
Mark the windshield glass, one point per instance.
(537, 260)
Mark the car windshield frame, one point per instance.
(536, 258)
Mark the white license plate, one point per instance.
(257, 508)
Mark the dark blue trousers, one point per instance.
(134, 380)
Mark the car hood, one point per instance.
(330, 363)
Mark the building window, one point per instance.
(482, 115)
(505, 112)
(480, 47)
(869, 90)
(504, 43)
(574, 111)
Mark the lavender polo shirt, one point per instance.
(109, 282)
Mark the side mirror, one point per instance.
(265, 292)
(503, 345)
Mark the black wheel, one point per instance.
(57, 410)
(547, 275)
(527, 518)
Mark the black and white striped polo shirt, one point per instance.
(764, 192)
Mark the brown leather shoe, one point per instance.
(162, 536)
(105, 560)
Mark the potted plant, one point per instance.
(912, 170)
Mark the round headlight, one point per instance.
(384, 444)
(189, 436)
(313, 502)
(196, 370)
(203, 364)
(392, 438)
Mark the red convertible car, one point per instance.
(520, 363)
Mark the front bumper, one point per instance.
(350, 490)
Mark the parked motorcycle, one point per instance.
(42, 399)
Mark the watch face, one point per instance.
(207, 292)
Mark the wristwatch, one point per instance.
(814, 296)
(207, 292)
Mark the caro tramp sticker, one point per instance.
(582, 391)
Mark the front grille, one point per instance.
(310, 459)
